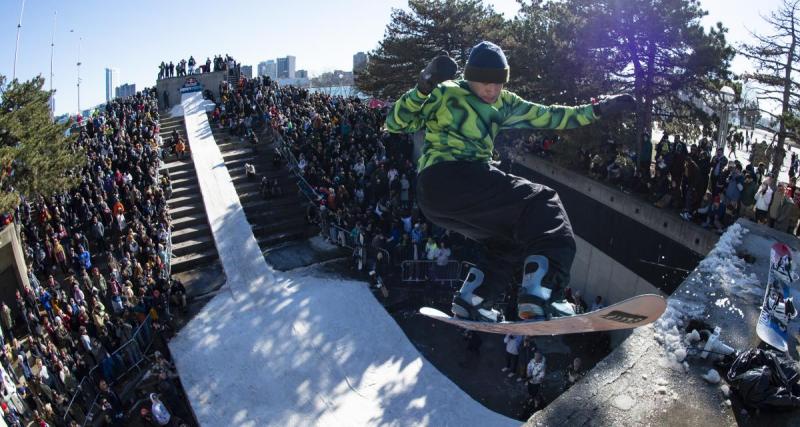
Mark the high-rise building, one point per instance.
(286, 67)
(268, 68)
(247, 71)
(301, 74)
(360, 62)
(128, 89)
(112, 76)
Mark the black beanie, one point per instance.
(486, 64)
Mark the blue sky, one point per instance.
(135, 36)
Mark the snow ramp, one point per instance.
(300, 348)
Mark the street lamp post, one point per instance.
(16, 47)
(52, 52)
(727, 96)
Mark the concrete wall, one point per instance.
(11, 255)
(595, 273)
(663, 221)
(173, 86)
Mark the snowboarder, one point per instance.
(459, 189)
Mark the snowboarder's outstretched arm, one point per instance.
(522, 114)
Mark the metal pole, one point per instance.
(16, 47)
(52, 52)
(80, 39)
(723, 127)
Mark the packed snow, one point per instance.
(722, 267)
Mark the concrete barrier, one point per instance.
(665, 222)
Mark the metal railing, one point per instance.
(312, 195)
(114, 366)
(430, 271)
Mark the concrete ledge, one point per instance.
(173, 85)
(643, 383)
(662, 221)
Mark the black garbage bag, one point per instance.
(764, 378)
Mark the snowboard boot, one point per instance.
(537, 300)
(475, 302)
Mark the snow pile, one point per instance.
(727, 269)
(721, 268)
(321, 244)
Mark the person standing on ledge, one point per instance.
(459, 189)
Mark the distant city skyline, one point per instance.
(137, 44)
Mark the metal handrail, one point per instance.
(140, 331)
(416, 271)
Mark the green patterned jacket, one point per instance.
(460, 126)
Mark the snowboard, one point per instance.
(631, 313)
(776, 296)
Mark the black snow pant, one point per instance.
(512, 216)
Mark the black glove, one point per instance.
(615, 104)
(440, 69)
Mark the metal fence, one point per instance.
(283, 148)
(83, 407)
(429, 271)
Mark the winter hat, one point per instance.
(486, 64)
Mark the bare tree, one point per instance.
(775, 56)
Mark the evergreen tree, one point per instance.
(414, 37)
(569, 51)
(658, 50)
(548, 55)
(36, 156)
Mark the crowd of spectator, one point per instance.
(187, 67)
(361, 180)
(702, 184)
(98, 268)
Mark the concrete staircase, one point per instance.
(276, 220)
(192, 241)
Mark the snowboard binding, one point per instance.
(469, 306)
(535, 300)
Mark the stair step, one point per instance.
(287, 225)
(179, 174)
(248, 197)
(274, 203)
(244, 186)
(241, 178)
(185, 221)
(183, 181)
(194, 245)
(166, 129)
(192, 261)
(274, 239)
(245, 154)
(179, 165)
(196, 207)
(186, 190)
(189, 233)
(269, 213)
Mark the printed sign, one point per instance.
(191, 85)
